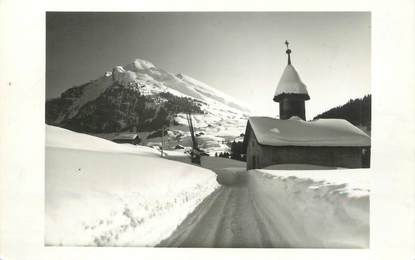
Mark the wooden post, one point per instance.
(162, 140)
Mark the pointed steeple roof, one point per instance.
(290, 82)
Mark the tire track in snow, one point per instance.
(264, 213)
(229, 217)
(189, 227)
(266, 225)
(225, 231)
(213, 222)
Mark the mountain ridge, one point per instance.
(143, 96)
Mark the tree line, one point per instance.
(357, 111)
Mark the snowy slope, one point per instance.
(58, 137)
(142, 97)
(208, 92)
(147, 73)
(90, 92)
(106, 194)
(218, 106)
(146, 78)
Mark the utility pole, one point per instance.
(195, 153)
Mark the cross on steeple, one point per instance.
(288, 51)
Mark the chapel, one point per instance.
(291, 140)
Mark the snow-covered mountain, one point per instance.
(139, 96)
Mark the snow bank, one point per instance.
(231, 176)
(62, 138)
(315, 209)
(99, 193)
(292, 166)
(229, 171)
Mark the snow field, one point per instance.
(62, 138)
(99, 193)
(156, 79)
(113, 196)
(314, 209)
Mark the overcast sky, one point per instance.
(241, 54)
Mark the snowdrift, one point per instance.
(314, 209)
(231, 176)
(99, 193)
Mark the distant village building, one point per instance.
(292, 140)
(127, 138)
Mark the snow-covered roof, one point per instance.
(126, 136)
(290, 83)
(297, 132)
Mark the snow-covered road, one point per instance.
(99, 193)
(268, 211)
(227, 218)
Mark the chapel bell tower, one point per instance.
(291, 92)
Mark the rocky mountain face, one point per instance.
(141, 97)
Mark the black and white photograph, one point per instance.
(237, 130)
(208, 129)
